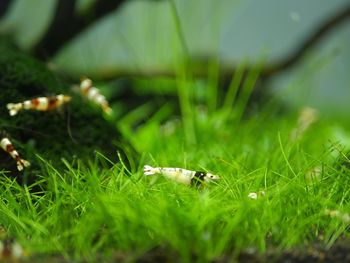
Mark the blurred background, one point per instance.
(304, 45)
(212, 85)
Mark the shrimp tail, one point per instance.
(13, 108)
(107, 109)
(21, 163)
(149, 170)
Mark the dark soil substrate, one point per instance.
(338, 253)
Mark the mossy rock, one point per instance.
(77, 129)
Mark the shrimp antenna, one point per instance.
(69, 131)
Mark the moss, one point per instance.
(77, 129)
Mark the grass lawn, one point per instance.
(107, 210)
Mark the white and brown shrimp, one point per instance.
(93, 94)
(180, 175)
(7, 146)
(39, 104)
(11, 251)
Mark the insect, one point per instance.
(93, 94)
(7, 146)
(39, 104)
(11, 251)
(188, 177)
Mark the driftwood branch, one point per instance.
(327, 26)
(67, 24)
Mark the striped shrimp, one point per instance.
(181, 175)
(7, 146)
(93, 94)
(11, 251)
(39, 104)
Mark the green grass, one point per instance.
(92, 210)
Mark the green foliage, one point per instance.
(88, 210)
(91, 211)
